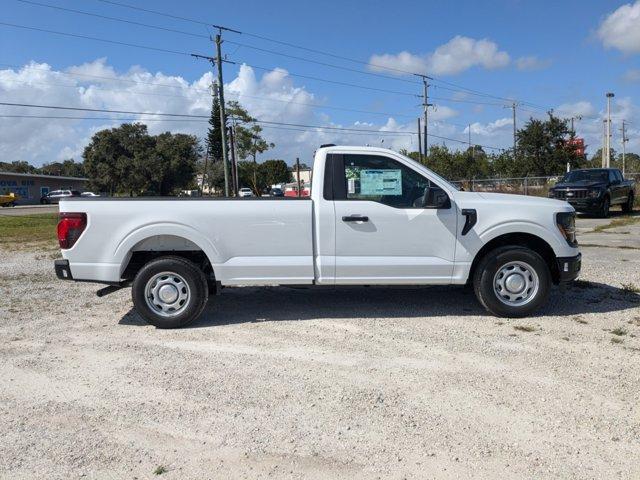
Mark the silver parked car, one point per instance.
(55, 195)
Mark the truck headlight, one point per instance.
(566, 222)
(593, 193)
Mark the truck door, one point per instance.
(617, 188)
(384, 233)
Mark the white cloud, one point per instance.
(632, 75)
(457, 55)
(531, 62)
(621, 29)
(271, 97)
(577, 109)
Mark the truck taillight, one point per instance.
(70, 227)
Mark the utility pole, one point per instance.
(513, 108)
(217, 62)
(604, 143)
(425, 105)
(223, 116)
(610, 95)
(420, 141)
(298, 175)
(473, 150)
(234, 172)
(624, 147)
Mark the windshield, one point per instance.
(586, 176)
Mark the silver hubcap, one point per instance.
(167, 294)
(516, 283)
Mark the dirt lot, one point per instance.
(348, 383)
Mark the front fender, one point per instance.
(472, 243)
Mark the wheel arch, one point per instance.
(152, 241)
(519, 239)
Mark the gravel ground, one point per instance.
(349, 383)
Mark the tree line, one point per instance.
(543, 148)
(127, 160)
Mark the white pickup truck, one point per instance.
(374, 217)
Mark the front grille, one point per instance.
(570, 194)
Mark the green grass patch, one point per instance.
(619, 331)
(28, 228)
(616, 340)
(160, 470)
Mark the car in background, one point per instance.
(595, 190)
(89, 194)
(54, 196)
(276, 192)
(245, 192)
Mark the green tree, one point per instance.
(19, 166)
(128, 160)
(214, 134)
(66, 168)
(631, 161)
(172, 164)
(273, 172)
(249, 143)
(543, 148)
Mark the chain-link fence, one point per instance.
(537, 186)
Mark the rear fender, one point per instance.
(123, 250)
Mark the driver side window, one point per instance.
(384, 180)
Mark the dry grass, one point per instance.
(618, 222)
(524, 328)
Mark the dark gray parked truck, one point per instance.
(595, 190)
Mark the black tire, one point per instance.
(606, 206)
(187, 278)
(627, 207)
(486, 274)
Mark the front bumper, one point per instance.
(63, 271)
(584, 204)
(569, 268)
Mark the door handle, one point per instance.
(355, 218)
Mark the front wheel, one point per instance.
(170, 292)
(627, 207)
(606, 205)
(512, 281)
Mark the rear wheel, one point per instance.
(627, 207)
(170, 292)
(512, 281)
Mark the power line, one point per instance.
(87, 37)
(115, 19)
(308, 77)
(329, 54)
(265, 122)
(253, 47)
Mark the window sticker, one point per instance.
(380, 182)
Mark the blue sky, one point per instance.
(548, 54)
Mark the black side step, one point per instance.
(108, 289)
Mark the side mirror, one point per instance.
(435, 198)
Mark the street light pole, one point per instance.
(610, 95)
